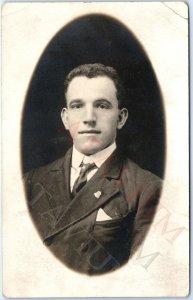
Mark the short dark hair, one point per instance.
(95, 70)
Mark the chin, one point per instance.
(90, 150)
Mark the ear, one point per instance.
(123, 115)
(64, 116)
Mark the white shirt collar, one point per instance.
(98, 158)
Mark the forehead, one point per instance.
(82, 87)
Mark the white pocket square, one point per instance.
(102, 216)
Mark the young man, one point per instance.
(91, 206)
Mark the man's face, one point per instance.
(92, 115)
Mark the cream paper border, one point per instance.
(160, 267)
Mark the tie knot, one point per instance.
(82, 179)
(87, 167)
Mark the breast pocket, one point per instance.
(115, 236)
(125, 221)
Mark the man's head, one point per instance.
(93, 110)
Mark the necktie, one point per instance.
(82, 179)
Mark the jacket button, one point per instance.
(84, 247)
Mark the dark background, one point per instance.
(93, 39)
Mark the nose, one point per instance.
(90, 116)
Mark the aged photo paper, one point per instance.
(160, 265)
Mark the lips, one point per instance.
(89, 131)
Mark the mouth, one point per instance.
(89, 132)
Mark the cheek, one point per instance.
(75, 118)
(74, 125)
(110, 122)
(109, 131)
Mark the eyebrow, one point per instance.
(75, 101)
(95, 101)
(103, 100)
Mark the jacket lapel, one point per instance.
(100, 189)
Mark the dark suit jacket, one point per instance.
(69, 227)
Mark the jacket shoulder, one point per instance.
(140, 174)
(39, 173)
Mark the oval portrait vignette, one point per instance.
(93, 144)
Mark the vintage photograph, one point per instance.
(99, 151)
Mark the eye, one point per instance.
(103, 106)
(76, 105)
